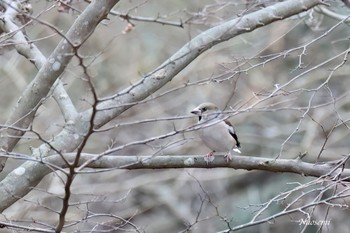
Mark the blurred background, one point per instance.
(304, 54)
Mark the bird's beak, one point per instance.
(196, 111)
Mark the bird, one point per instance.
(215, 132)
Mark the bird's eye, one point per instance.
(204, 109)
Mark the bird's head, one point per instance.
(206, 111)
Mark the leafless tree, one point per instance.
(96, 130)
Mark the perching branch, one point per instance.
(297, 166)
(330, 170)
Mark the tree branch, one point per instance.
(15, 186)
(11, 184)
(115, 105)
(53, 68)
(197, 161)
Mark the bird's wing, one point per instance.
(231, 130)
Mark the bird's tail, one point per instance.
(236, 150)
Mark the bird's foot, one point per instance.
(209, 157)
(228, 157)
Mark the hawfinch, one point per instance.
(216, 133)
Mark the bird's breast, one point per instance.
(216, 139)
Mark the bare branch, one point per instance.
(128, 18)
(54, 155)
(55, 65)
(190, 51)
